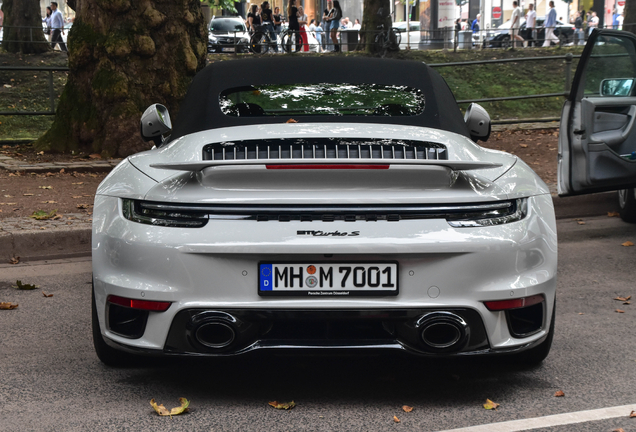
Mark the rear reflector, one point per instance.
(328, 166)
(500, 305)
(157, 306)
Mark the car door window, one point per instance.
(611, 63)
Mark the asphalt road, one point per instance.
(50, 378)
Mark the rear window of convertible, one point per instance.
(322, 100)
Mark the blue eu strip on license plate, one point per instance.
(328, 279)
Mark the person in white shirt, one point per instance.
(531, 23)
(620, 20)
(357, 25)
(592, 23)
(57, 27)
(550, 25)
(516, 23)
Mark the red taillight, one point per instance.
(329, 167)
(500, 305)
(157, 306)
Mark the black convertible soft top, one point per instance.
(201, 110)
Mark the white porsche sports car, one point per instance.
(344, 206)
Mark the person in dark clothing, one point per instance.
(254, 19)
(267, 18)
(292, 14)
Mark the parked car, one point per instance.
(500, 37)
(330, 204)
(413, 34)
(597, 141)
(228, 34)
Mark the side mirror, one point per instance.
(478, 122)
(617, 87)
(155, 122)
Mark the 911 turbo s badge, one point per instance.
(326, 234)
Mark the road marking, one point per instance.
(552, 420)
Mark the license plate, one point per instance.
(328, 279)
(227, 49)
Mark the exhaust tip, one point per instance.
(443, 331)
(441, 335)
(215, 334)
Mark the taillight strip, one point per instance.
(499, 305)
(327, 167)
(156, 306)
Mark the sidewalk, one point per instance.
(70, 234)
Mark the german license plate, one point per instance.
(328, 279)
(231, 49)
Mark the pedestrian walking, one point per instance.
(47, 21)
(579, 37)
(550, 24)
(57, 27)
(531, 23)
(516, 24)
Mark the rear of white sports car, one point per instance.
(323, 236)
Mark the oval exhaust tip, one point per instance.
(441, 335)
(215, 335)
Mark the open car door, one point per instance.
(597, 141)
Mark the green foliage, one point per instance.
(227, 5)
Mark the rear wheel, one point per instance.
(107, 354)
(259, 43)
(505, 42)
(627, 204)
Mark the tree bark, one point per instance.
(371, 20)
(124, 56)
(22, 31)
(629, 23)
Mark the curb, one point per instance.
(14, 165)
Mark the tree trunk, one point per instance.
(629, 23)
(124, 56)
(22, 31)
(371, 19)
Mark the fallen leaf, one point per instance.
(632, 414)
(559, 394)
(407, 408)
(43, 215)
(14, 260)
(581, 223)
(78, 183)
(83, 206)
(619, 311)
(27, 194)
(8, 305)
(291, 121)
(95, 156)
(627, 243)
(19, 285)
(395, 419)
(619, 430)
(49, 202)
(45, 187)
(62, 171)
(623, 299)
(626, 303)
(40, 153)
(283, 405)
(613, 214)
(523, 145)
(490, 405)
(162, 411)
(78, 196)
(46, 295)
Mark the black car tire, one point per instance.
(627, 204)
(534, 356)
(107, 354)
(505, 42)
(563, 39)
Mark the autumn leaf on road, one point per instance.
(14, 260)
(19, 285)
(619, 430)
(619, 311)
(43, 215)
(83, 206)
(46, 295)
(613, 214)
(407, 408)
(627, 243)
(580, 222)
(45, 187)
(291, 121)
(8, 305)
(632, 414)
(490, 405)
(162, 411)
(283, 405)
(559, 394)
(395, 419)
(623, 299)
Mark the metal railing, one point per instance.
(50, 71)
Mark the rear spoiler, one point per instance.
(327, 164)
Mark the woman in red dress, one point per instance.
(302, 22)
